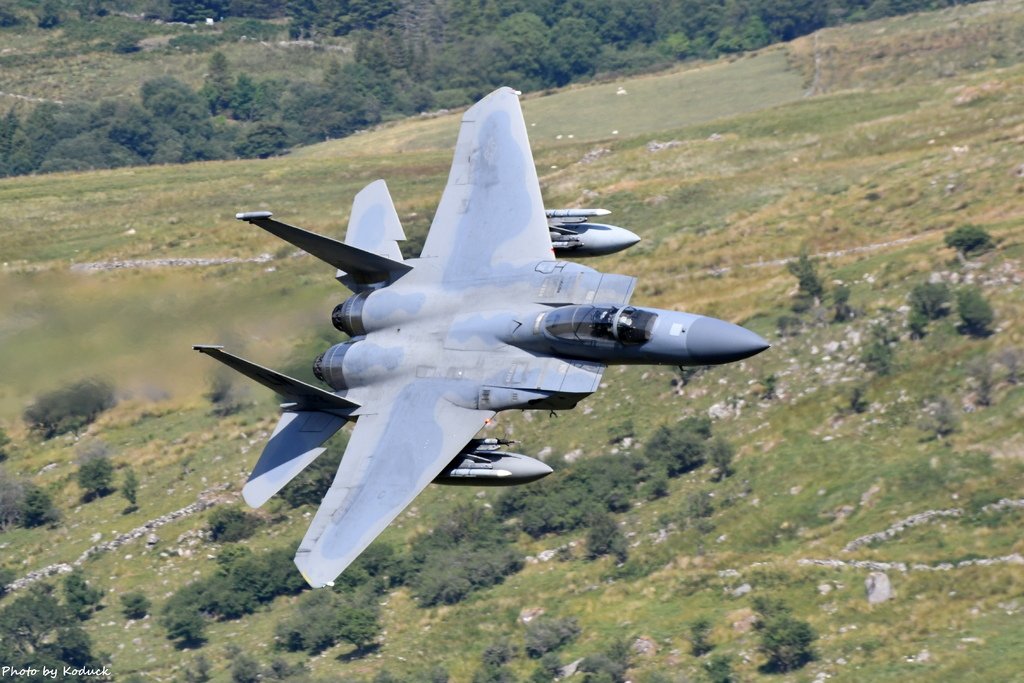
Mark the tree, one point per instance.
(719, 669)
(806, 273)
(218, 84)
(605, 538)
(36, 630)
(135, 605)
(70, 408)
(545, 634)
(980, 370)
(720, 455)
(12, 500)
(878, 354)
(7, 576)
(5, 444)
(786, 641)
(229, 524)
(37, 507)
(81, 598)
(699, 632)
(130, 488)
(969, 240)
(928, 301)
(96, 477)
(183, 621)
(976, 315)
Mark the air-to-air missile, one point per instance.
(572, 233)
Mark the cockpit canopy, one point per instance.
(625, 324)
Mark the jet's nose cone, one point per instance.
(629, 238)
(711, 341)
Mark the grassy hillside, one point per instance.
(870, 173)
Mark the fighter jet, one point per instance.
(484, 320)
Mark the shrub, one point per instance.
(35, 628)
(545, 634)
(81, 598)
(5, 442)
(229, 524)
(878, 354)
(719, 669)
(7, 576)
(70, 408)
(324, 618)
(130, 489)
(96, 477)
(786, 641)
(12, 500)
(699, 632)
(134, 605)
(605, 538)
(37, 508)
(976, 314)
(806, 273)
(968, 240)
(720, 455)
(841, 310)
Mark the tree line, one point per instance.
(410, 56)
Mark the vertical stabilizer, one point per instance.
(374, 225)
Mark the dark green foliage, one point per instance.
(324, 618)
(375, 570)
(609, 666)
(878, 354)
(719, 669)
(656, 485)
(976, 314)
(806, 273)
(858, 402)
(786, 641)
(135, 605)
(841, 310)
(468, 551)
(70, 408)
(96, 477)
(547, 669)
(605, 538)
(199, 671)
(36, 631)
(37, 507)
(969, 240)
(494, 658)
(7, 575)
(81, 598)
(720, 456)
(5, 445)
(223, 394)
(228, 524)
(243, 581)
(699, 505)
(130, 488)
(699, 632)
(262, 141)
(681, 447)
(545, 634)
(769, 383)
(928, 301)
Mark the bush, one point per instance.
(323, 618)
(719, 669)
(976, 314)
(545, 634)
(468, 551)
(70, 408)
(878, 354)
(81, 598)
(37, 508)
(7, 576)
(968, 240)
(135, 605)
(785, 640)
(806, 273)
(5, 443)
(605, 538)
(36, 628)
(12, 500)
(228, 524)
(96, 477)
(699, 632)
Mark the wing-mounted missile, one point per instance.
(483, 463)
(572, 233)
(363, 267)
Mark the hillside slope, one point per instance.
(870, 175)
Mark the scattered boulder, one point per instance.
(645, 646)
(528, 614)
(878, 588)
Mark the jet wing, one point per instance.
(491, 211)
(391, 456)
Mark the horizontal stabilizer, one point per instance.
(364, 266)
(304, 396)
(294, 444)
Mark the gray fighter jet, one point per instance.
(484, 320)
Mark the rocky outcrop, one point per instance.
(878, 587)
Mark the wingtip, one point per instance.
(253, 215)
(203, 348)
